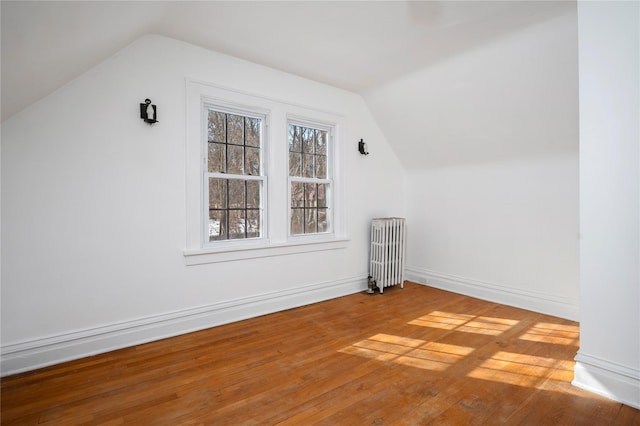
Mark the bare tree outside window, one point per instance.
(234, 174)
(309, 179)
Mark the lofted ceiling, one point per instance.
(357, 46)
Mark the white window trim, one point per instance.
(276, 240)
(209, 255)
(330, 128)
(264, 115)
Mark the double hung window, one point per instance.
(309, 178)
(234, 176)
(263, 177)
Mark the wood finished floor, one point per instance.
(412, 356)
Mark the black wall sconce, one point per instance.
(362, 148)
(148, 112)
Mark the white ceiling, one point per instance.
(357, 46)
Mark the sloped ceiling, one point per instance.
(352, 45)
(361, 46)
(514, 98)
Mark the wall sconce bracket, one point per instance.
(148, 112)
(362, 147)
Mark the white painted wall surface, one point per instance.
(93, 210)
(608, 361)
(506, 232)
(490, 140)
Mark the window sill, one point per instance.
(228, 254)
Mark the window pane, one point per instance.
(235, 160)
(217, 193)
(253, 223)
(310, 221)
(321, 167)
(307, 140)
(252, 161)
(217, 225)
(295, 164)
(235, 129)
(297, 219)
(297, 194)
(310, 199)
(308, 159)
(236, 194)
(252, 131)
(322, 220)
(253, 194)
(236, 224)
(217, 157)
(307, 165)
(295, 144)
(322, 194)
(216, 132)
(235, 148)
(321, 142)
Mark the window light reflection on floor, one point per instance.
(553, 333)
(506, 367)
(465, 323)
(407, 351)
(443, 320)
(522, 370)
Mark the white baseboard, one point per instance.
(538, 302)
(33, 354)
(607, 379)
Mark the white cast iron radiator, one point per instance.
(388, 238)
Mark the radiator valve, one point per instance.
(371, 284)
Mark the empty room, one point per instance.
(320, 212)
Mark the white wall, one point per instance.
(608, 361)
(506, 232)
(93, 210)
(490, 141)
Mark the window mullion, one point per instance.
(246, 212)
(244, 145)
(226, 143)
(228, 210)
(244, 169)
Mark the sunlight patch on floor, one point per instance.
(466, 323)
(521, 369)
(553, 333)
(443, 320)
(504, 367)
(407, 351)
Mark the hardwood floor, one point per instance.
(412, 356)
